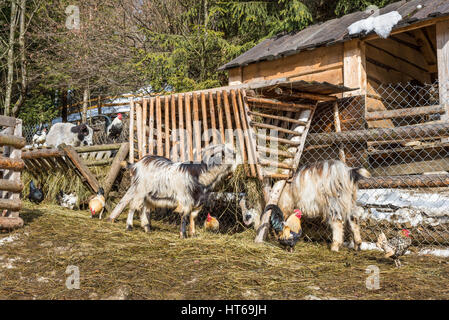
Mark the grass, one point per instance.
(117, 264)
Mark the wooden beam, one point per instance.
(11, 164)
(115, 168)
(278, 104)
(412, 181)
(12, 205)
(403, 113)
(275, 117)
(131, 130)
(10, 223)
(442, 29)
(94, 148)
(354, 67)
(80, 165)
(273, 128)
(12, 141)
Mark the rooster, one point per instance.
(211, 223)
(39, 137)
(395, 247)
(36, 194)
(288, 231)
(96, 204)
(115, 128)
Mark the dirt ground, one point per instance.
(118, 264)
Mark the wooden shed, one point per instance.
(401, 81)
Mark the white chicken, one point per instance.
(39, 137)
(67, 200)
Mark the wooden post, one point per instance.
(151, 124)
(229, 134)
(139, 129)
(167, 127)
(174, 131)
(204, 120)
(341, 152)
(250, 149)
(442, 32)
(240, 136)
(144, 125)
(196, 127)
(131, 130)
(189, 127)
(181, 127)
(160, 147)
(213, 122)
(220, 118)
(354, 67)
(115, 168)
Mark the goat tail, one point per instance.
(358, 174)
(276, 218)
(129, 195)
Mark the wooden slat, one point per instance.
(139, 129)
(213, 119)
(11, 164)
(241, 140)
(279, 104)
(86, 149)
(274, 164)
(144, 126)
(276, 139)
(189, 128)
(273, 128)
(196, 128)
(174, 136)
(442, 32)
(181, 127)
(12, 205)
(220, 117)
(131, 130)
(281, 153)
(249, 148)
(229, 133)
(204, 119)
(151, 127)
(167, 127)
(13, 141)
(276, 117)
(160, 147)
(115, 168)
(82, 168)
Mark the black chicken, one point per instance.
(288, 231)
(36, 194)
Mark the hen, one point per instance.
(395, 247)
(39, 137)
(36, 194)
(211, 223)
(96, 204)
(288, 231)
(115, 128)
(67, 200)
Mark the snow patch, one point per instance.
(382, 24)
(365, 246)
(8, 239)
(444, 253)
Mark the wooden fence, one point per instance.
(11, 164)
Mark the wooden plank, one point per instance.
(250, 149)
(196, 128)
(276, 117)
(354, 67)
(281, 153)
(11, 164)
(273, 128)
(279, 104)
(229, 133)
(139, 130)
(412, 181)
(220, 117)
(442, 32)
(174, 136)
(213, 119)
(189, 128)
(263, 137)
(82, 168)
(86, 149)
(181, 127)
(131, 130)
(151, 127)
(144, 126)
(11, 223)
(10, 204)
(159, 146)
(415, 167)
(240, 136)
(115, 168)
(167, 127)
(403, 113)
(204, 119)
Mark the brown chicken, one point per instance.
(395, 247)
(289, 231)
(211, 223)
(96, 204)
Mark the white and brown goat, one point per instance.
(325, 190)
(184, 187)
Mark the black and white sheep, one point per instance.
(70, 134)
(184, 187)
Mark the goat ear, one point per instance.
(84, 130)
(75, 129)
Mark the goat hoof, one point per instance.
(358, 247)
(334, 247)
(147, 229)
(129, 228)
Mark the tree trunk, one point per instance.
(64, 106)
(85, 102)
(23, 70)
(10, 63)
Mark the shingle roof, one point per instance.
(335, 31)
